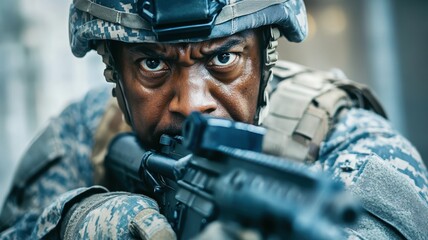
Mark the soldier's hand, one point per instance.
(116, 215)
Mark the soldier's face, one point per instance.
(164, 83)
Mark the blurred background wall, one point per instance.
(38, 74)
(382, 43)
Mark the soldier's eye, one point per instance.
(224, 59)
(153, 64)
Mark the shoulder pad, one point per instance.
(392, 198)
(305, 104)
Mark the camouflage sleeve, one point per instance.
(384, 170)
(56, 162)
(94, 213)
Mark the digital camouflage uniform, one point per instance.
(375, 163)
(372, 160)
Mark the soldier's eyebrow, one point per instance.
(225, 47)
(158, 51)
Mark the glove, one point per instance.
(116, 215)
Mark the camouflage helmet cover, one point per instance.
(121, 20)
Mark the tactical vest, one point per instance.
(304, 106)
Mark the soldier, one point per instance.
(169, 58)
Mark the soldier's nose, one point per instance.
(192, 96)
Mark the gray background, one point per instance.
(382, 43)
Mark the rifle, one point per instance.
(216, 171)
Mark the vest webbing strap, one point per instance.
(304, 107)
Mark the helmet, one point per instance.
(157, 20)
(174, 21)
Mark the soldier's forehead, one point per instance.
(223, 43)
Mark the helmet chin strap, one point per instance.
(112, 75)
(268, 59)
